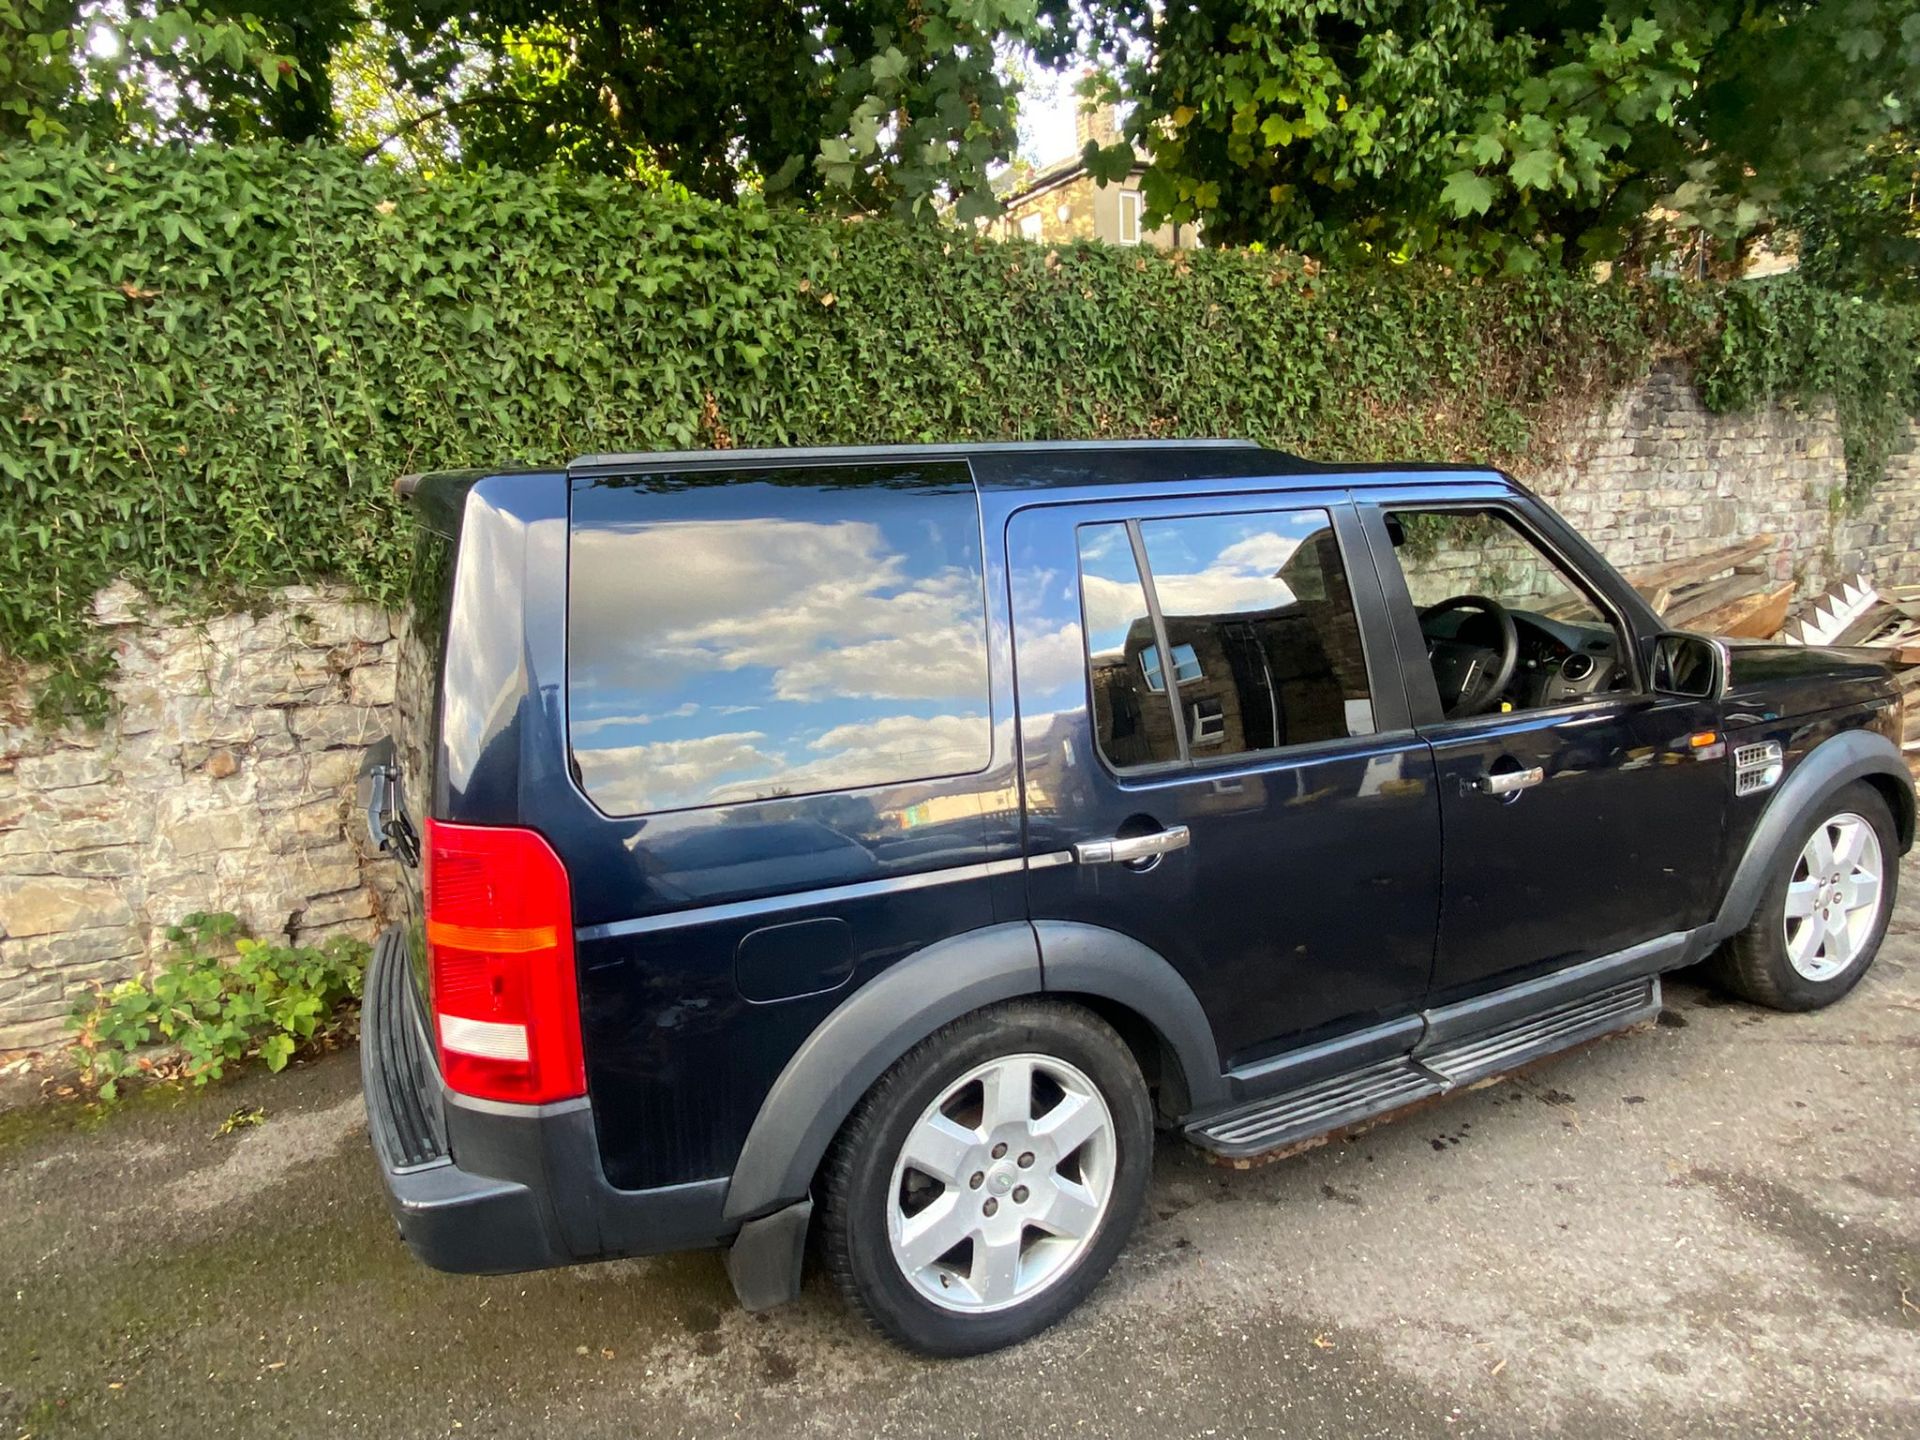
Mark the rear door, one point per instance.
(1211, 681)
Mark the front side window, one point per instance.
(1130, 217)
(745, 635)
(1258, 617)
(1506, 626)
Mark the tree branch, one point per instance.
(427, 117)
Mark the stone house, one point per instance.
(1061, 202)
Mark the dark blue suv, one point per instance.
(882, 844)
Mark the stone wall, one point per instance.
(225, 780)
(223, 783)
(1655, 476)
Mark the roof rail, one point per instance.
(885, 452)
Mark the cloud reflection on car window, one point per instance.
(741, 636)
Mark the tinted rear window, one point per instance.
(748, 634)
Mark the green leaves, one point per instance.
(171, 71)
(214, 1010)
(1468, 193)
(218, 405)
(1533, 170)
(1371, 129)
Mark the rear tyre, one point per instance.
(987, 1182)
(1823, 914)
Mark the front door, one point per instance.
(1217, 760)
(1582, 813)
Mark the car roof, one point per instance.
(1043, 465)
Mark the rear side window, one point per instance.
(1258, 621)
(750, 634)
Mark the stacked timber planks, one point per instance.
(1729, 591)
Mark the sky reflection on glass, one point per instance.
(786, 633)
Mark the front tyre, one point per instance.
(1822, 916)
(986, 1183)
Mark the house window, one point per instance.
(1129, 217)
(1186, 667)
(1207, 722)
(1030, 226)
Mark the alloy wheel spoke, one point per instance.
(1839, 944)
(1851, 845)
(1820, 851)
(925, 1237)
(1007, 1094)
(1070, 1124)
(1800, 897)
(939, 1147)
(1072, 1212)
(995, 1275)
(1805, 942)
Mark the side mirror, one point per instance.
(1688, 665)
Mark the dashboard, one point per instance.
(1559, 661)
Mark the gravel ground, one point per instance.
(1712, 1224)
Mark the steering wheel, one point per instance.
(1462, 668)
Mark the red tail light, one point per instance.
(506, 1011)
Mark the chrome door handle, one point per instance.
(1510, 783)
(1129, 849)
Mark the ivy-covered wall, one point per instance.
(213, 364)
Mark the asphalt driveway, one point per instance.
(1712, 1224)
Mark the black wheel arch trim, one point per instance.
(1835, 762)
(853, 1047)
(1090, 960)
(882, 1020)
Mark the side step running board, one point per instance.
(1309, 1111)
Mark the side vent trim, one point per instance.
(1757, 767)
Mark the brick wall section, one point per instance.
(225, 780)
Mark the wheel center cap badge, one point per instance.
(1000, 1182)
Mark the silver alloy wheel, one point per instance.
(1002, 1184)
(1833, 898)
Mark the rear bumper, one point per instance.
(484, 1188)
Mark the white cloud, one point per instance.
(961, 736)
(878, 752)
(631, 779)
(1052, 661)
(1112, 606)
(1220, 590)
(679, 712)
(827, 606)
(928, 666)
(1264, 551)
